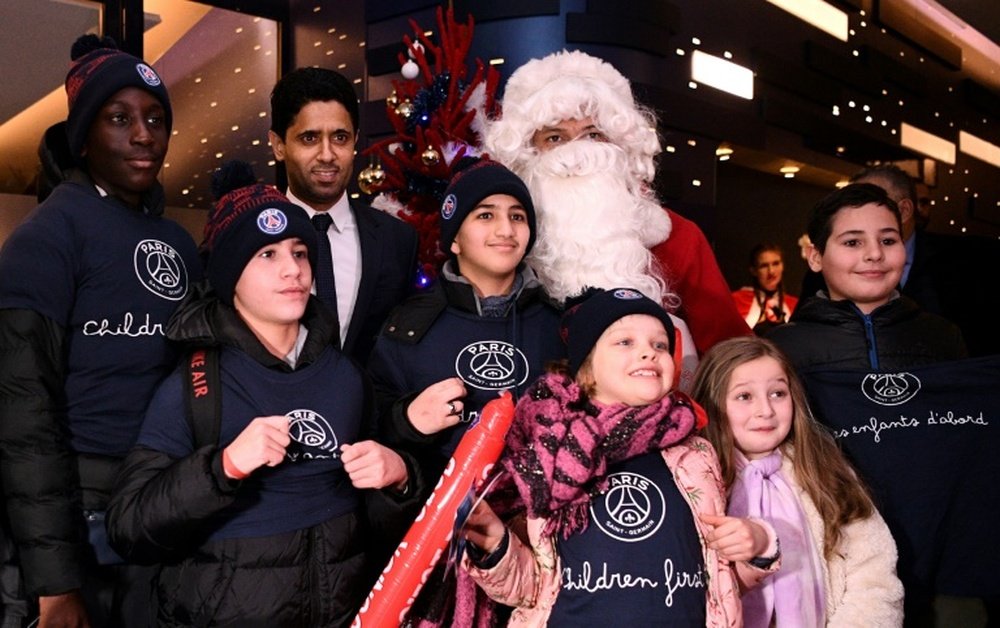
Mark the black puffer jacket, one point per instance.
(412, 353)
(836, 335)
(46, 483)
(315, 576)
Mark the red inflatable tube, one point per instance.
(401, 580)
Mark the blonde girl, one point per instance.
(614, 508)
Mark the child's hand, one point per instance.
(734, 538)
(261, 443)
(438, 407)
(371, 465)
(483, 528)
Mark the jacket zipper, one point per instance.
(870, 339)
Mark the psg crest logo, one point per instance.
(312, 436)
(627, 294)
(148, 74)
(272, 221)
(161, 269)
(632, 509)
(448, 207)
(492, 365)
(890, 389)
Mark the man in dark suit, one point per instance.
(951, 276)
(314, 129)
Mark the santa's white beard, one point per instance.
(596, 223)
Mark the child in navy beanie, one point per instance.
(247, 217)
(253, 470)
(474, 180)
(585, 321)
(486, 325)
(91, 279)
(99, 70)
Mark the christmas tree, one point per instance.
(437, 113)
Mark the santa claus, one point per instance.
(573, 131)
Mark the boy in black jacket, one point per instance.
(87, 284)
(262, 524)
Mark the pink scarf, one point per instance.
(795, 595)
(561, 444)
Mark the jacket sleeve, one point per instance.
(525, 576)
(748, 576)
(37, 467)
(388, 383)
(863, 577)
(392, 398)
(160, 505)
(390, 512)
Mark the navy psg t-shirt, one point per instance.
(111, 277)
(324, 403)
(639, 562)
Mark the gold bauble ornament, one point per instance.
(392, 100)
(370, 178)
(405, 109)
(430, 157)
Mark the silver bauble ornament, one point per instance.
(410, 70)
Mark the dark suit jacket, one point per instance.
(954, 277)
(388, 275)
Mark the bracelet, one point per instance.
(484, 560)
(765, 562)
(230, 469)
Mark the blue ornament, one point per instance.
(429, 99)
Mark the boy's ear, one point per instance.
(814, 258)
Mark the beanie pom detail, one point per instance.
(85, 44)
(231, 176)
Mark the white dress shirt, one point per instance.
(345, 248)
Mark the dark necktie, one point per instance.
(326, 287)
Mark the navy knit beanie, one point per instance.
(247, 217)
(99, 70)
(584, 323)
(474, 180)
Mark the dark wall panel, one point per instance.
(893, 14)
(488, 10)
(588, 28)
